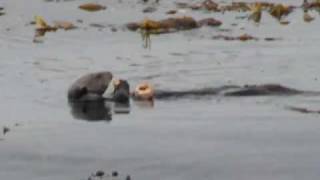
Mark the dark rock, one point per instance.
(79, 21)
(115, 173)
(113, 29)
(171, 12)
(149, 10)
(96, 25)
(99, 173)
(5, 130)
(271, 39)
(133, 26)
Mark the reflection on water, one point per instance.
(97, 110)
(121, 108)
(144, 104)
(91, 111)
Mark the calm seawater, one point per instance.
(193, 138)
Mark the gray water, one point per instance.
(193, 138)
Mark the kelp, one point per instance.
(66, 25)
(92, 7)
(42, 27)
(256, 13)
(243, 37)
(208, 5)
(172, 24)
(278, 11)
(41, 24)
(236, 6)
(148, 27)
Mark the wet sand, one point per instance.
(207, 138)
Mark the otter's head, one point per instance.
(121, 93)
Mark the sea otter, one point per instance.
(99, 86)
(145, 91)
(102, 86)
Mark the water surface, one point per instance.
(207, 138)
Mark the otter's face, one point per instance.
(121, 92)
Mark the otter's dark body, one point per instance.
(91, 87)
(248, 90)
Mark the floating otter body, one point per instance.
(248, 90)
(94, 86)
